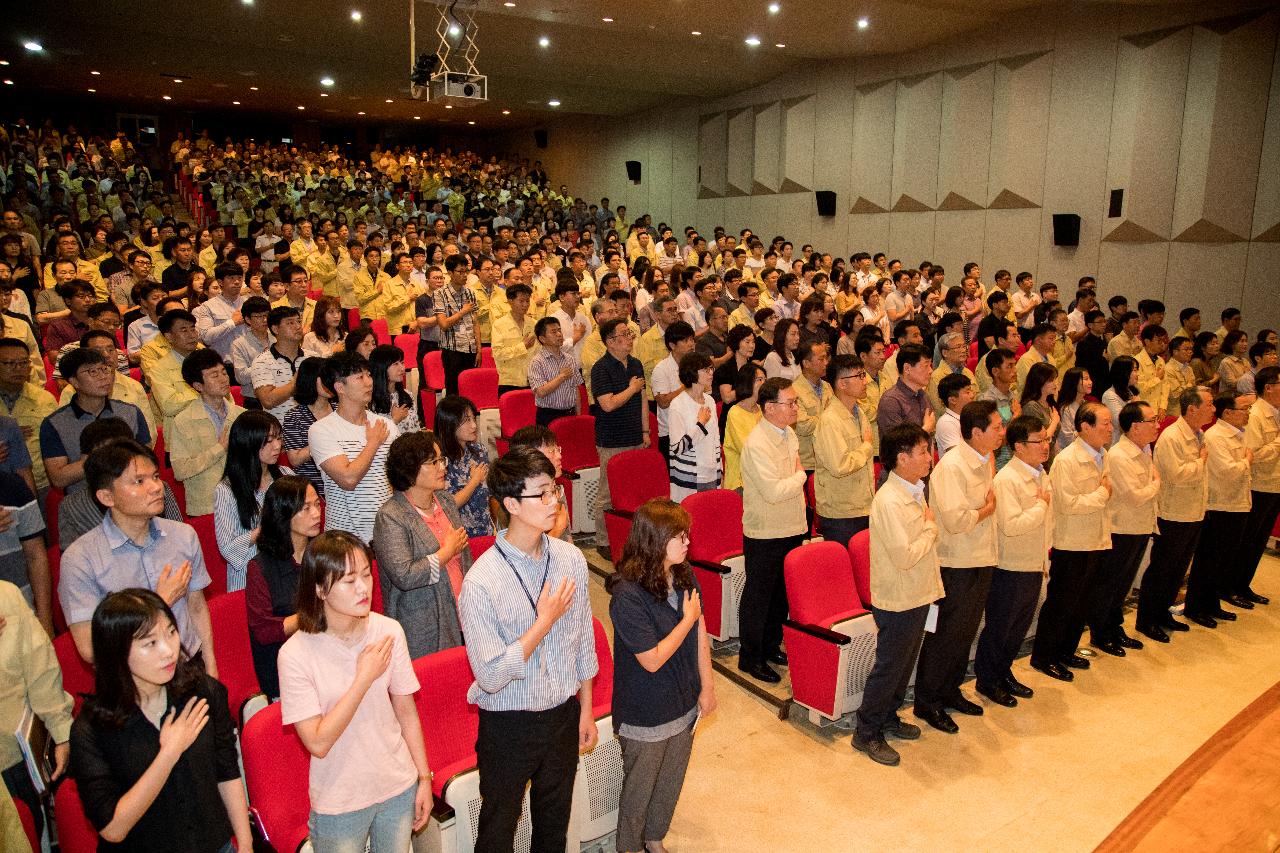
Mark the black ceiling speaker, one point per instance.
(826, 202)
(1066, 229)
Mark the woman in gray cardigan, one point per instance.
(421, 546)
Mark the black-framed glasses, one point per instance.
(548, 495)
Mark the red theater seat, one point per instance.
(715, 553)
(635, 476)
(276, 769)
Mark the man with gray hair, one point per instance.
(955, 352)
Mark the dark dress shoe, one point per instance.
(1172, 624)
(1250, 595)
(998, 694)
(1154, 632)
(1203, 621)
(877, 750)
(1017, 688)
(777, 656)
(1238, 601)
(760, 672)
(1075, 662)
(937, 718)
(902, 730)
(1054, 670)
(1111, 647)
(1224, 615)
(961, 705)
(1128, 642)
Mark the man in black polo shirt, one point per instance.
(617, 381)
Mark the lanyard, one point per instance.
(546, 568)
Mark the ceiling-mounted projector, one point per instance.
(458, 89)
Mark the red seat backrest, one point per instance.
(635, 476)
(972, 361)
(77, 676)
(353, 318)
(237, 395)
(819, 583)
(381, 331)
(602, 687)
(577, 437)
(375, 598)
(449, 722)
(486, 358)
(175, 486)
(517, 409)
(213, 561)
(480, 386)
(716, 530)
(433, 367)
(428, 398)
(230, 620)
(55, 571)
(75, 833)
(277, 768)
(408, 344)
(480, 544)
(860, 562)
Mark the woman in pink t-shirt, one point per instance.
(347, 685)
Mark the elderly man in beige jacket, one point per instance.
(1081, 537)
(1226, 512)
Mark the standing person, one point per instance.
(813, 394)
(739, 420)
(1226, 516)
(963, 498)
(292, 516)
(1135, 484)
(1180, 457)
(273, 372)
(665, 378)
(350, 447)
(525, 613)
(427, 324)
(844, 481)
(153, 752)
(906, 401)
(219, 320)
(773, 523)
(514, 340)
(617, 383)
(956, 391)
(457, 430)
(1262, 436)
(1081, 536)
(347, 685)
(253, 341)
(663, 681)
(694, 463)
(421, 545)
(553, 375)
(456, 316)
(387, 369)
(312, 404)
(1023, 518)
(905, 581)
(201, 431)
(253, 449)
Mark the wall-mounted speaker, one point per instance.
(540, 138)
(1066, 229)
(633, 171)
(826, 202)
(1116, 207)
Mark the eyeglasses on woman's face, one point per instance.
(548, 496)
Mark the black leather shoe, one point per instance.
(760, 672)
(1054, 670)
(1203, 621)
(1172, 624)
(902, 730)
(1224, 615)
(1076, 662)
(1238, 601)
(998, 694)
(1250, 595)
(1017, 688)
(938, 718)
(779, 657)
(1154, 632)
(961, 705)
(1111, 647)
(877, 750)
(1128, 642)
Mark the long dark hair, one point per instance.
(1038, 376)
(450, 414)
(305, 385)
(780, 341)
(655, 523)
(244, 467)
(385, 394)
(1069, 387)
(1122, 370)
(320, 323)
(119, 619)
(284, 499)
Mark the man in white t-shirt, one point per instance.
(680, 341)
(350, 448)
(574, 322)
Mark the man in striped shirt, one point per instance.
(553, 375)
(526, 614)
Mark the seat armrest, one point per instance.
(819, 632)
(620, 513)
(710, 567)
(571, 475)
(441, 811)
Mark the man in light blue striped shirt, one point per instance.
(526, 617)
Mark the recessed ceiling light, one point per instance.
(8, 82)
(506, 112)
(417, 118)
(326, 81)
(863, 23)
(779, 44)
(471, 122)
(360, 113)
(695, 33)
(753, 41)
(93, 90)
(357, 15)
(774, 8)
(33, 46)
(324, 94)
(177, 79)
(389, 101)
(94, 73)
(544, 42)
(235, 103)
(607, 20)
(4, 62)
(509, 5)
(253, 88)
(167, 98)
(553, 103)
(247, 2)
(301, 107)
(448, 106)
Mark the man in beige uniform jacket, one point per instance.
(1262, 436)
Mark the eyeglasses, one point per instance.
(436, 460)
(857, 374)
(789, 403)
(1035, 441)
(548, 495)
(97, 372)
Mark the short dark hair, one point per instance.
(541, 327)
(1186, 314)
(77, 358)
(535, 436)
(227, 269)
(1132, 414)
(194, 365)
(339, 366)
(951, 385)
(1150, 333)
(608, 327)
(97, 433)
(305, 391)
(690, 365)
(1020, 429)
(1266, 376)
(279, 314)
(1087, 413)
(106, 464)
(408, 453)
(1225, 400)
(771, 388)
(909, 355)
(255, 305)
(976, 415)
(508, 475)
(1257, 352)
(515, 291)
(15, 342)
(677, 332)
(996, 358)
(97, 309)
(902, 438)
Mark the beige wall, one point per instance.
(964, 151)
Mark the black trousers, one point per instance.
(842, 529)
(18, 782)
(544, 416)
(1217, 557)
(764, 596)
(1171, 552)
(944, 655)
(454, 363)
(897, 644)
(502, 389)
(1262, 519)
(1011, 605)
(1062, 617)
(515, 748)
(1112, 584)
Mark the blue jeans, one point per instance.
(389, 826)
